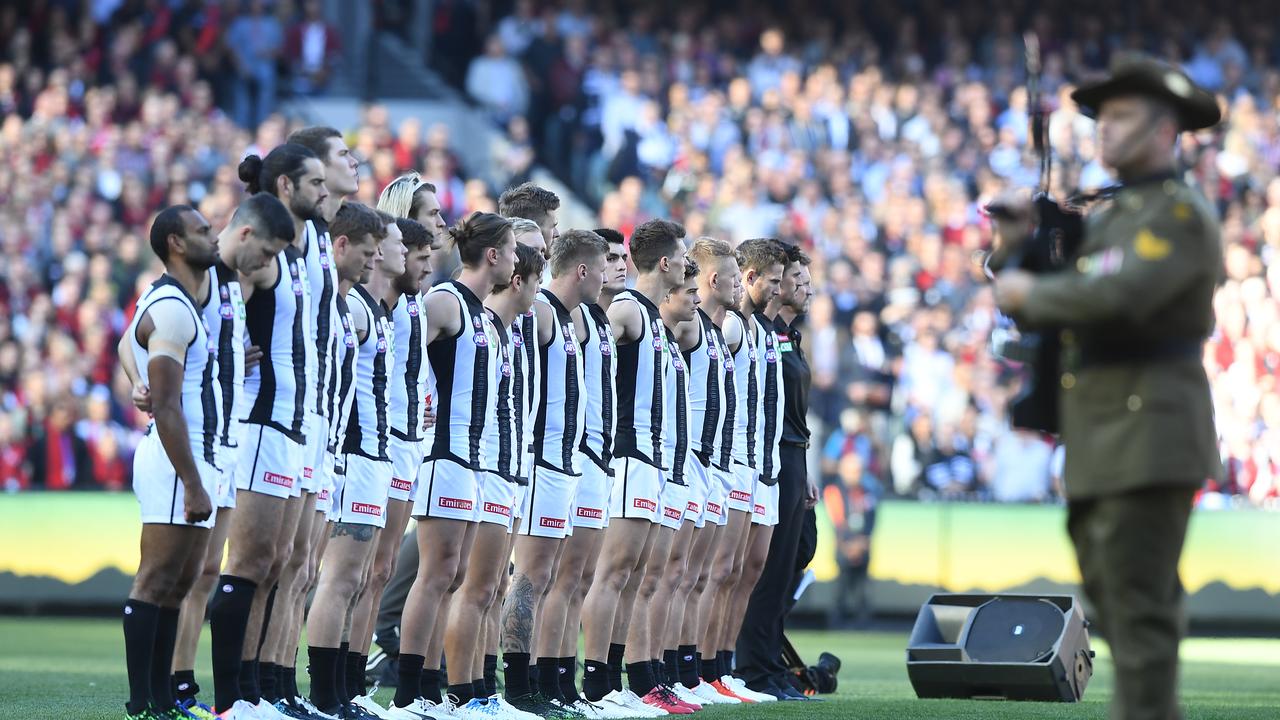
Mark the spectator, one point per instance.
(851, 502)
(256, 40)
(497, 81)
(1021, 467)
(313, 49)
(59, 458)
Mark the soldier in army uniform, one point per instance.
(1136, 413)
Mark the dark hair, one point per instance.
(653, 241)
(690, 268)
(478, 232)
(528, 201)
(315, 139)
(357, 221)
(267, 216)
(759, 253)
(573, 248)
(611, 236)
(795, 254)
(260, 174)
(170, 221)
(529, 263)
(416, 235)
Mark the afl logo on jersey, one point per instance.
(226, 311)
(771, 355)
(516, 338)
(480, 339)
(711, 351)
(324, 257)
(677, 362)
(570, 348)
(728, 362)
(382, 344)
(412, 308)
(506, 369)
(606, 348)
(297, 285)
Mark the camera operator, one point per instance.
(1136, 413)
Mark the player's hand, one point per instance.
(810, 495)
(1012, 288)
(195, 501)
(142, 398)
(252, 356)
(428, 415)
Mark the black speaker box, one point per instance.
(1011, 646)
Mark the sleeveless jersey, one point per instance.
(599, 353)
(343, 377)
(641, 362)
(746, 416)
(369, 429)
(322, 275)
(771, 398)
(505, 435)
(461, 382)
(707, 400)
(677, 412)
(201, 401)
(224, 317)
(409, 378)
(557, 431)
(277, 322)
(531, 362)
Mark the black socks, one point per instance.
(184, 685)
(490, 675)
(462, 693)
(140, 621)
(595, 680)
(688, 665)
(515, 673)
(725, 657)
(355, 675)
(431, 685)
(616, 652)
(324, 671)
(640, 677)
(568, 679)
(707, 668)
(268, 676)
(478, 688)
(228, 616)
(549, 677)
(409, 685)
(249, 689)
(162, 658)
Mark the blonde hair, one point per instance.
(707, 250)
(520, 226)
(399, 197)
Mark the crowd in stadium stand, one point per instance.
(870, 136)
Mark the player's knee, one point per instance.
(459, 577)
(380, 575)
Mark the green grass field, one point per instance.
(74, 670)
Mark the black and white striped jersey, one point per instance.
(369, 428)
(461, 382)
(409, 378)
(224, 316)
(507, 435)
(558, 428)
(641, 362)
(322, 275)
(527, 339)
(677, 443)
(746, 416)
(201, 401)
(277, 322)
(771, 398)
(599, 362)
(344, 376)
(708, 401)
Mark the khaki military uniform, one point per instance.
(1137, 418)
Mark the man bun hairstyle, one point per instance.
(169, 221)
(478, 232)
(574, 248)
(415, 235)
(759, 253)
(402, 197)
(653, 241)
(260, 174)
(267, 216)
(358, 222)
(527, 200)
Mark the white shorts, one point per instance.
(548, 502)
(337, 480)
(226, 494)
(448, 491)
(696, 507)
(742, 488)
(766, 505)
(269, 462)
(717, 497)
(636, 489)
(363, 499)
(497, 499)
(519, 495)
(406, 458)
(158, 489)
(317, 432)
(591, 504)
(675, 501)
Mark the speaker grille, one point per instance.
(1014, 630)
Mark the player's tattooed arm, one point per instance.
(517, 616)
(361, 533)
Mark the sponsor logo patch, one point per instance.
(497, 509)
(759, 509)
(456, 503)
(274, 479)
(693, 507)
(324, 495)
(644, 504)
(307, 473)
(590, 513)
(673, 513)
(740, 495)
(401, 484)
(550, 522)
(367, 509)
(713, 508)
